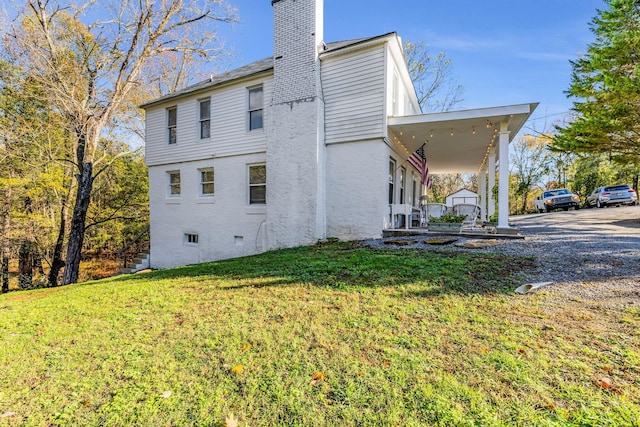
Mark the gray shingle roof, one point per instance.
(256, 67)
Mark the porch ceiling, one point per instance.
(458, 141)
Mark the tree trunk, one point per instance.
(5, 274)
(4, 243)
(76, 235)
(57, 263)
(25, 265)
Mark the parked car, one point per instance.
(560, 198)
(620, 194)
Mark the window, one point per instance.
(392, 179)
(205, 118)
(414, 190)
(394, 94)
(257, 184)
(206, 182)
(172, 125)
(255, 108)
(191, 238)
(403, 178)
(174, 183)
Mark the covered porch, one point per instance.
(468, 141)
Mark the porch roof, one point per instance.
(458, 141)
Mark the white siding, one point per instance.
(402, 99)
(229, 134)
(354, 94)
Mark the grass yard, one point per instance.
(326, 335)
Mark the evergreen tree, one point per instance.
(606, 85)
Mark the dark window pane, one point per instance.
(258, 194)
(207, 188)
(172, 116)
(255, 120)
(205, 109)
(172, 135)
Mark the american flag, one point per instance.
(419, 161)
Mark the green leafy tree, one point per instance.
(606, 85)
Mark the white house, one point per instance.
(309, 143)
(462, 196)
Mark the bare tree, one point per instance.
(90, 71)
(530, 162)
(433, 78)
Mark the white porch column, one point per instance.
(482, 192)
(491, 203)
(503, 178)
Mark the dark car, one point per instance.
(612, 195)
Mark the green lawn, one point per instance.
(330, 335)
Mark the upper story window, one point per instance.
(395, 111)
(206, 182)
(172, 125)
(257, 184)
(174, 183)
(205, 118)
(255, 108)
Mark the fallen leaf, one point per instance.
(316, 377)
(605, 383)
(246, 347)
(230, 420)
(167, 394)
(360, 373)
(237, 369)
(386, 363)
(522, 351)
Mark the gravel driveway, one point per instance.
(589, 255)
(592, 255)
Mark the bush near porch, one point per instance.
(327, 335)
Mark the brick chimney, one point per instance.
(295, 128)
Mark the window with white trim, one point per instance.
(403, 178)
(205, 118)
(257, 184)
(174, 183)
(172, 125)
(392, 180)
(255, 108)
(206, 182)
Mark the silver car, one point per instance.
(612, 195)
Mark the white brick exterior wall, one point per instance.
(226, 225)
(295, 128)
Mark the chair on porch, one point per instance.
(471, 211)
(398, 209)
(435, 210)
